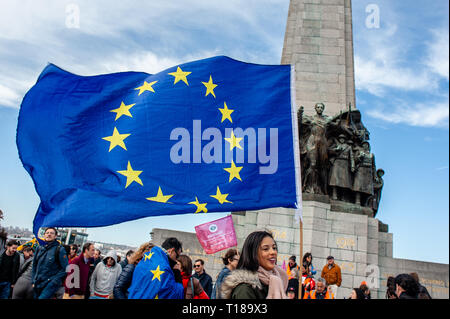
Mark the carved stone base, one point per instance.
(316, 198)
(340, 206)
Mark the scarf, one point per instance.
(276, 279)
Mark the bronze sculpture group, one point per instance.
(336, 159)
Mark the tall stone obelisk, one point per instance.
(319, 42)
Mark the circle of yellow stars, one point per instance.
(132, 175)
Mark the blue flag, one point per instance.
(214, 135)
(154, 279)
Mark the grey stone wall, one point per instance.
(319, 43)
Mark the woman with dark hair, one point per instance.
(257, 275)
(192, 287)
(72, 253)
(230, 260)
(307, 264)
(357, 293)
(390, 291)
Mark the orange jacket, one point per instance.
(312, 295)
(333, 275)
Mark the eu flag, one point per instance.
(153, 278)
(214, 135)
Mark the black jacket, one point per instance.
(403, 295)
(124, 282)
(206, 282)
(15, 266)
(424, 291)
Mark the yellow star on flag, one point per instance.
(132, 175)
(157, 273)
(234, 141)
(160, 197)
(210, 86)
(234, 172)
(222, 198)
(226, 113)
(123, 110)
(116, 139)
(180, 75)
(201, 207)
(146, 87)
(148, 256)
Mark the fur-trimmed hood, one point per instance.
(237, 277)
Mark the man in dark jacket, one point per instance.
(49, 266)
(125, 261)
(202, 276)
(9, 268)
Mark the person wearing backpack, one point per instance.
(22, 288)
(49, 266)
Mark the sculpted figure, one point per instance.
(314, 148)
(378, 184)
(342, 166)
(365, 172)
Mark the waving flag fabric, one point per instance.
(153, 278)
(214, 135)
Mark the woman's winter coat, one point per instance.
(243, 284)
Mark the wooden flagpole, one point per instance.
(300, 294)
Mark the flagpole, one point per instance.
(300, 294)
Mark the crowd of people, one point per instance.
(50, 271)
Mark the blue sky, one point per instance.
(402, 84)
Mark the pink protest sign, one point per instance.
(216, 235)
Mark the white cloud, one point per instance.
(147, 62)
(377, 76)
(438, 53)
(385, 64)
(9, 97)
(145, 36)
(417, 115)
